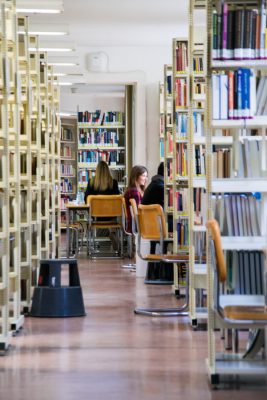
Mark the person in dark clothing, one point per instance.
(161, 273)
(154, 193)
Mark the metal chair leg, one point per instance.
(168, 312)
(130, 265)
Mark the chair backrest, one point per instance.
(220, 261)
(151, 221)
(105, 205)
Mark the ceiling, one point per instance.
(104, 23)
(120, 22)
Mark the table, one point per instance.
(71, 216)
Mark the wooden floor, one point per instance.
(113, 354)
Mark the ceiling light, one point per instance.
(62, 61)
(53, 47)
(62, 83)
(40, 6)
(46, 29)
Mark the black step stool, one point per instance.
(50, 299)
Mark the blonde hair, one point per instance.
(102, 179)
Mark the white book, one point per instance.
(255, 158)
(223, 96)
(262, 99)
(239, 214)
(254, 216)
(215, 96)
(243, 211)
(252, 94)
(229, 216)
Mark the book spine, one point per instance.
(230, 35)
(262, 29)
(214, 35)
(231, 94)
(247, 34)
(224, 31)
(239, 34)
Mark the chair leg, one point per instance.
(168, 312)
(130, 265)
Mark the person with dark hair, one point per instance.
(154, 193)
(135, 190)
(161, 273)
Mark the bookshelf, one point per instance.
(196, 168)
(161, 122)
(238, 189)
(68, 165)
(180, 103)
(168, 143)
(29, 168)
(102, 136)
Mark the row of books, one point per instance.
(66, 134)
(181, 159)
(234, 94)
(66, 186)
(101, 118)
(99, 136)
(181, 121)
(67, 170)
(182, 228)
(239, 33)
(198, 64)
(181, 91)
(181, 57)
(251, 158)
(180, 201)
(94, 156)
(238, 214)
(84, 175)
(66, 151)
(245, 271)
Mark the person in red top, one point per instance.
(135, 190)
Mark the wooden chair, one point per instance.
(235, 315)
(232, 311)
(105, 212)
(151, 225)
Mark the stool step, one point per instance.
(66, 301)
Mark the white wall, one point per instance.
(127, 61)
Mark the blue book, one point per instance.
(246, 73)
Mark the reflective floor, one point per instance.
(112, 353)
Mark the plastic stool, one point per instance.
(50, 299)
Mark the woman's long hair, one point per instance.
(102, 179)
(136, 171)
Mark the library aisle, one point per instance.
(112, 353)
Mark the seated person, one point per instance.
(154, 194)
(103, 183)
(135, 190)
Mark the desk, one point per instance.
(71, 216)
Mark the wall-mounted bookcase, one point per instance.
(236, 154)
(68, 164)
(101, 136)
(29, 168)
